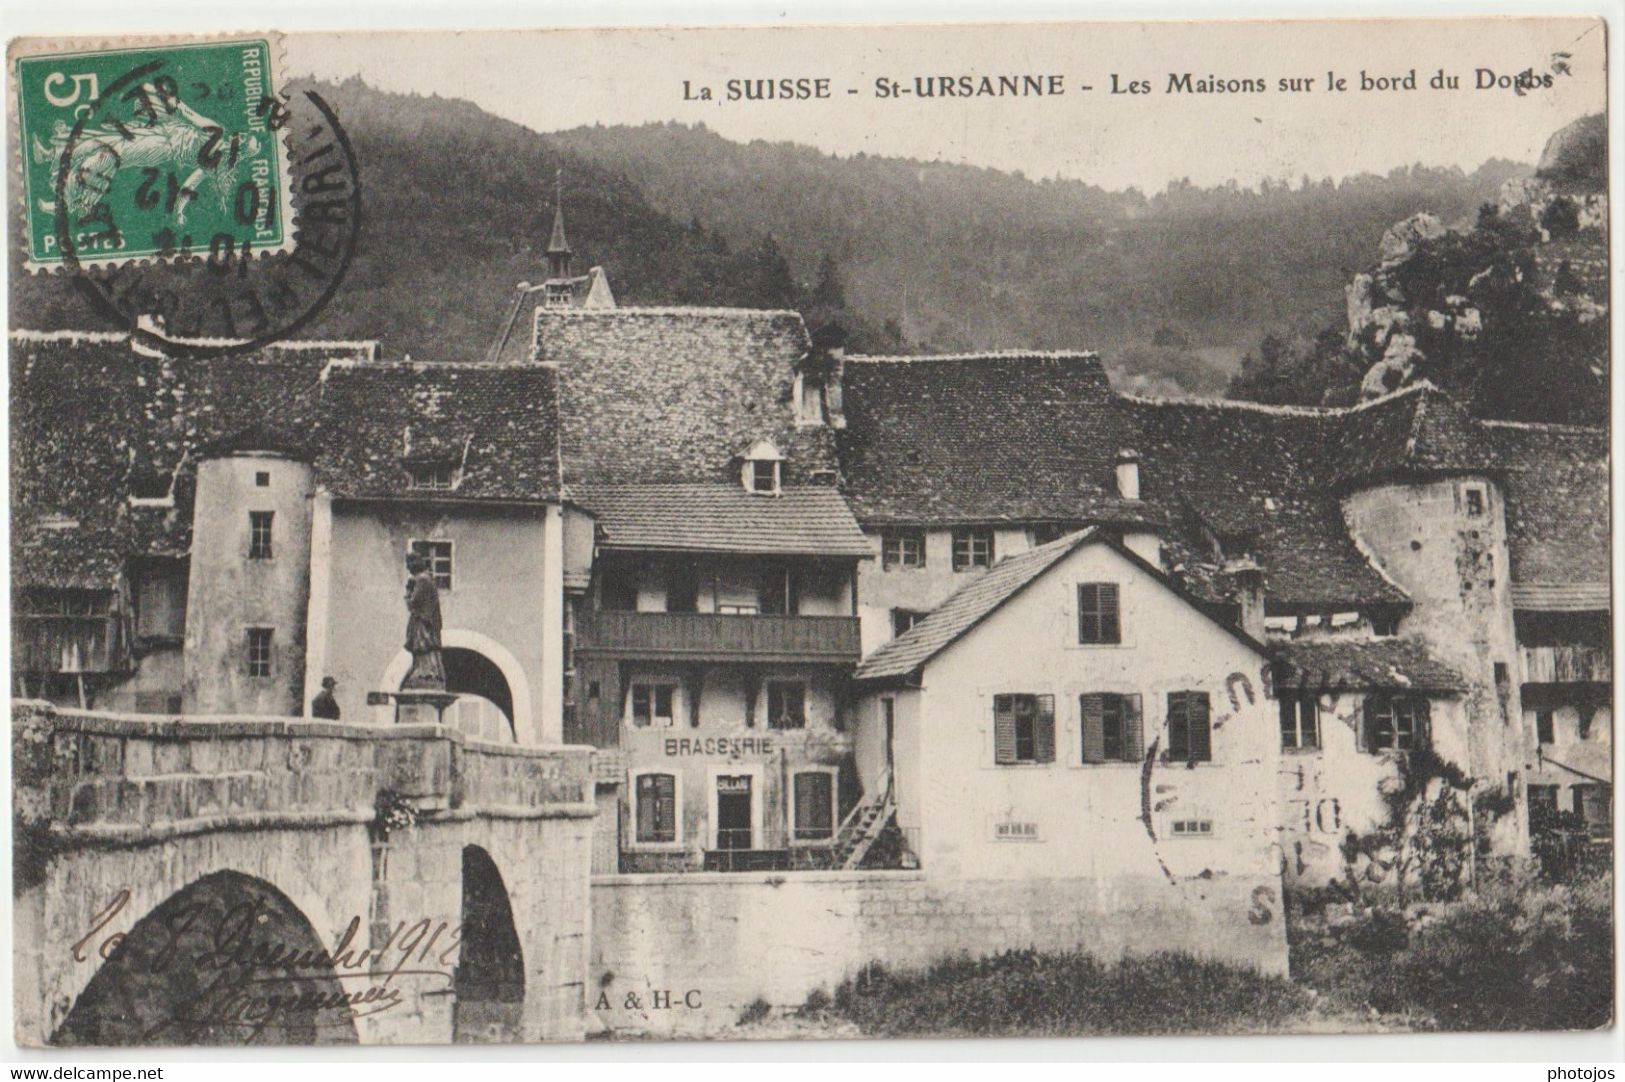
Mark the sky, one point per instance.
(558, 79)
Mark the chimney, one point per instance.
(1128, 474)
(1248, 578)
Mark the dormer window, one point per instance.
(762, 473)
(432, 476)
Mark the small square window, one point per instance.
(1473, 500)
(262, 479)
(902, 548)
(972, 548)
(439, 556)
(903, 619)
(763, 475)
(1098, 619)
(434, 476)
(786, 704)
(1192, 828)
(259, 534)
(653, 705)
(258, 646)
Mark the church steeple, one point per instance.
(558, 248)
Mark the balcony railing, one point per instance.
(704, 636)
(1566, 665)
(65, 644)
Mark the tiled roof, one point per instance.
(1556, 479)
(1265, 477)
(1374, 665)
(496, 424)
(94, 421)
(1017, 437)
(1417, 431)
(808, 520)
(965, 608)
(669, 395)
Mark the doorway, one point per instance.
(734, 807)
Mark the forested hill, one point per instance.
(457, 205)
(990, 258)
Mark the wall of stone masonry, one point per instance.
(150, 805)
(684, 954)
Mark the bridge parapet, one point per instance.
(91, 777)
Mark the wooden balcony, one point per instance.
(65, 644)
(704, 636)
(1566, 665)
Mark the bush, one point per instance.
(1538, 958)
(755, 1011)
(1028, 993)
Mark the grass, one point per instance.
(1517, 957)
(1035, 994)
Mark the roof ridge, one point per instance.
(664, 310)
(980, 355)
(1281, 410)
(1546, 426)
(382, 364)
(23, 334)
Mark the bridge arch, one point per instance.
(490, 980)
(473, 675)
(228, 959)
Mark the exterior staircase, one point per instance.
(862, 827)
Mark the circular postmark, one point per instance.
(235, 233)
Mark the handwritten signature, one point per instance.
(253, 980)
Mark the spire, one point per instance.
(558, 248)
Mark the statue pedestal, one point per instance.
(421, 707)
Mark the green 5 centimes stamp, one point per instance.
(158, 151)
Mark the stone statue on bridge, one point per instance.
(428, 672)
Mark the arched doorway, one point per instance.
(228, 959)
(484, 708)
(495, 697)
(490, 981)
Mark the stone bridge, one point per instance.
(264, 880)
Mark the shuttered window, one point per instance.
(1112, 731)
(1190, 727)
(815, 805)
(1023, 729)
(657, 808)
(1397, 723)
(1098, 621)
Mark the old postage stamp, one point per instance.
(162, 151)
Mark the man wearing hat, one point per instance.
(324, 705)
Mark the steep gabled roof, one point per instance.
(1015, 437)
(1557, 494)
(496, 424)
(94, 422)
(804, 520)
(1375, 665)
(1419, 431)
(1265, 476)
(670, 395)
(976, 600)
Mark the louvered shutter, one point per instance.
(1178, 730)
(1110, 629)
(1004, 728)
(1424, 719)
(1199, 720)
(1044, 729)
(647, 809)
(667, 826)
(1090, 710)
(1133, 729)
(1364, 738)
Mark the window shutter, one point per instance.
(1201, 731)
(1089, 709)
(1363, 739)
(646, 808)
(1424, 735)
(1004, 729)
(1110, 629)
(668, 807)
(1133, 729)
(1044, 729)
(1178, 729)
